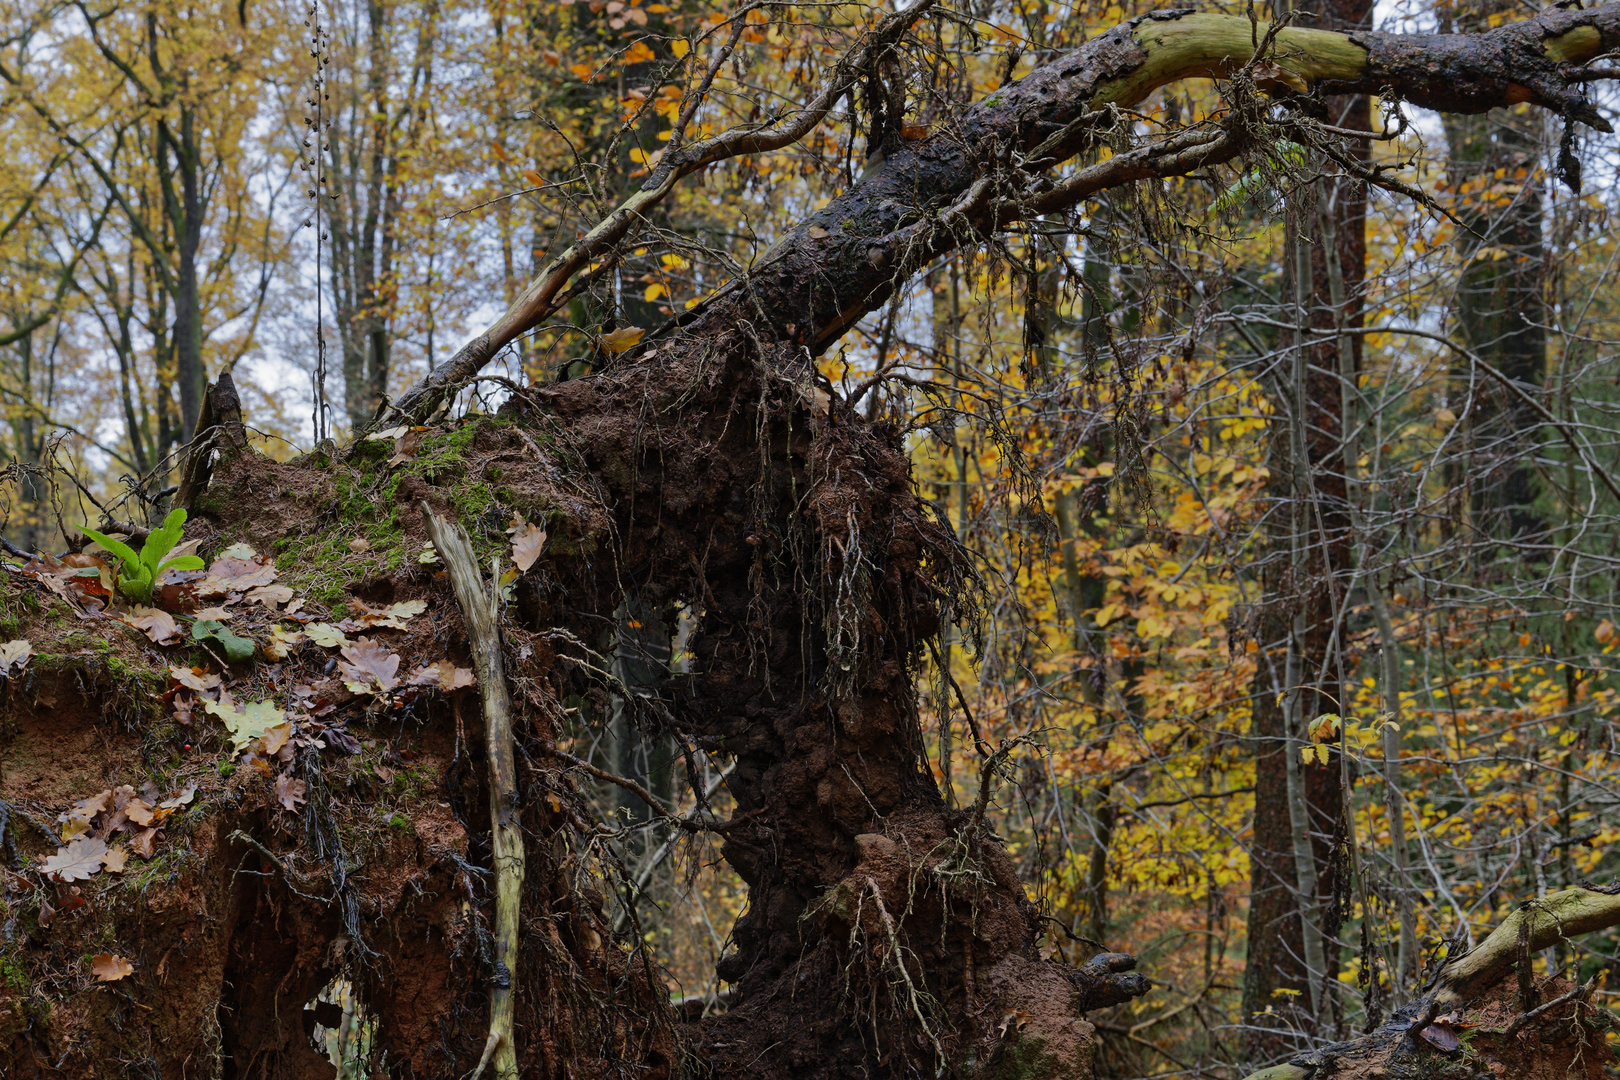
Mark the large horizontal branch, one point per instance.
(990, 166)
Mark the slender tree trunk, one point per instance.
(1500, 306)
(188, 226)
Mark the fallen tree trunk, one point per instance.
(992, 166)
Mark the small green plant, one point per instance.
(138, 573)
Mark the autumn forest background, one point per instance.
(1302, 547)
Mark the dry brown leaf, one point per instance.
(198, 679)
(186, 794)
(86, 809)
(158, 624)
(391, 617)
(113, 862)
(445, 675)
(816, 232)
(76, 862)
(270, 595)
(230, 574)
(275, 738)
(72, 830)
(15, 654)
(527, 544)
(143, 813)
(359, 545)
(109, 968)
(213, 614)
(370, 669)
(85, 595)
(141, 843)
(289, 792)
(405, 447)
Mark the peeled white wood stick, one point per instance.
(480, 612)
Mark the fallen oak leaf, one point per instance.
(141, 842)
(86, 809)
(248, 723)
(198, 679)
(289, 792)
(109, 968)
(213, 614)
(325, 635)
(369, 665)
(113, 862)
(527, 544)
(275, 738)
(621, 340)
(158, 624)
(144, 813)
(281, 642)
(230, 574)
(392, 617)
(270, 595)
(443, 674)
(241, 550)
(15, 654)
(186, 794)
(405, 448)
(77, 862)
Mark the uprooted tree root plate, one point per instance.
(335, 842)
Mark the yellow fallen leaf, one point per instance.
(618, 341)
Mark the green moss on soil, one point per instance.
(1025, 1057)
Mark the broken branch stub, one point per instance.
(480, 611)
(219, 428)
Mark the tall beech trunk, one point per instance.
(1290, 796)
(1500, 310)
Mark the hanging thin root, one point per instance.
(900, 962)
(490, 1044)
